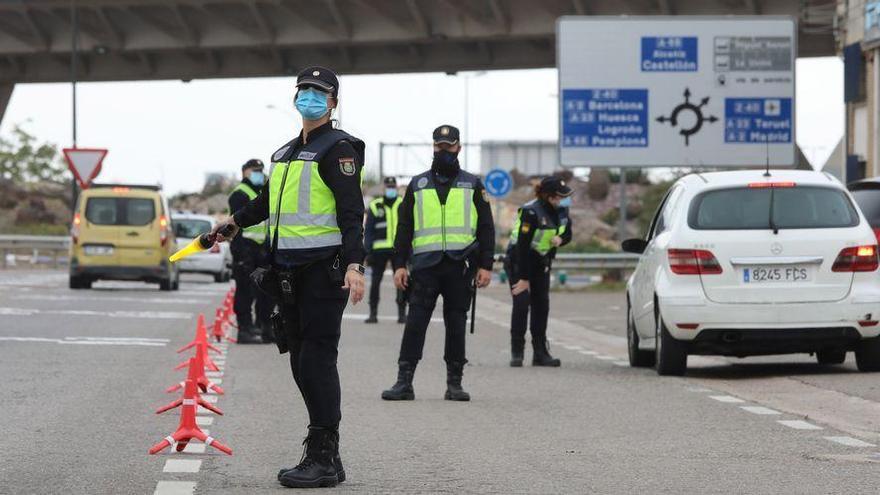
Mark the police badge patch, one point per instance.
(422, 182)
(346, 166)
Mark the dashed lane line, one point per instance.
(606, 358)
(102, 298)
(760, 410)
(729, 399)
(182, 466)
(175, 488)
(204, 420)
(798, 424)
(620, 363)
(850, 441)
(6, 311)
(72, 341)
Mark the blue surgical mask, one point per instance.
(391, 193)
(257, 178)
(311, 103)
(565, 202)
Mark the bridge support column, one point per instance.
(5, 96)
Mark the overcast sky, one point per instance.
(174, 132)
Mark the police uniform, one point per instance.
(314, 205)
(530, 255)
(379, 233)
(445, 233)
(248, 252)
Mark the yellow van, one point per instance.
(122, 232)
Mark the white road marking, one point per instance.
(572, 347)
(759, 410)
(363, 316)
(850, 441)
(213, 373)
(217, 381)
(109, 314)
(210, 398)
(182, 466)
(726, 398)
(175, 488)
(193, 448)
(83, 342)
(204, 420)
(589, 353)
(698, 389)
(103, 298)
(621, 363)
(799, 425)
(606, 358)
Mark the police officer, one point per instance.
(542, 225)
(314, 206)
(379, 242)
(445, 233)
(247, 254)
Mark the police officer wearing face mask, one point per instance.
(379, 235)
(542, 225)
(247, 254)
(314, 205)
(446, 234)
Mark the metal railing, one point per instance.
(591, 261)
(33, 249)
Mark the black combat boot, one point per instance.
(373, 318)
(401, 313)
(247, 335)
(317, 468)
(516, 354)
(402, 389)
(337, 463)
(454, 391)
(541, 355)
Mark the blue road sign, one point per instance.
(605, 118)
(757, 120)
(669, 54)
(498, 183)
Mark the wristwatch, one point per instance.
(358, 268)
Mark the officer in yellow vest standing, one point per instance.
(542, 225)
(315, 209)
(446, 235)
(379, 242)
(247, 254)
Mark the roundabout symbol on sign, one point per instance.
(498, 182)
(697, 110)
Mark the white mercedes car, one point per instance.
(217, 261)
(745, 263)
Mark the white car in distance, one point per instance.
(747, 263)
(216, 261)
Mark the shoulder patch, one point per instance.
(280, 153)
(347, 167)
(525, 227)
(306, 155)
(422, 182)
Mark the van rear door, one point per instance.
(99, 234)
(139, 229)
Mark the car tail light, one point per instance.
(693, 262)
(688, 326)
(74, 228)
(868, 323)
(856, 259)
(215, 248)
(163, 230)
(762, 185)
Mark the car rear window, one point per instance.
(869, 202)
(120, 211)
(744, 208)
(190, 227)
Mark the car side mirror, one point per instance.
(635, 246)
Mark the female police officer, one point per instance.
(541, 227)
(314, 205)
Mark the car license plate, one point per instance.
(776, 274)
(98, 250)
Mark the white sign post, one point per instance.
(676, 91)
(85, 163)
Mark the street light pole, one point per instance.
(74, 42)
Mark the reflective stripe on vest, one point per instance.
(305, 214)
(542, 240)
(444, 227)
(256, 233)
(389, 223)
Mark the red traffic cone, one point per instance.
(192, 376)
(201, 336)
(188, 429)
(196, 372)
(217, 332)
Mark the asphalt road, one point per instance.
(84, 370)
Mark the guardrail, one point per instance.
(33, 249)
(591, 261)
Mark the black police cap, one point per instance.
(555, 185)
(446, 134)
(390, 182)
(254, 163)
(318, 77)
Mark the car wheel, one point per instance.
(165, 284)
(868, 354)
(79, 283)
(228, 276)
(220, 277)
(637, 357)
(176, 284)
(671, 354)
(832, 356)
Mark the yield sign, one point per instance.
(85, 163)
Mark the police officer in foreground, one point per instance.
(314, 206)
(446, 234)
(379, 233)
(247, 254)
(541, 226)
